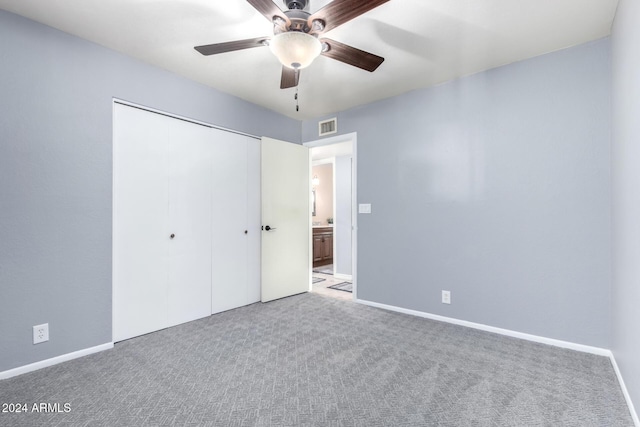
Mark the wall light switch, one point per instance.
(364, 208)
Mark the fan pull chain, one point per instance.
(296, 98)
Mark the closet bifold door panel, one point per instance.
(140, 222)
(235, 221)
(189, 290)
(161, 222)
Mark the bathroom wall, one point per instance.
(324, 192)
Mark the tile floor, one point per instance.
(322, 288)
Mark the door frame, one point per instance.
(353, 137)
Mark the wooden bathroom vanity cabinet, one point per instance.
(322, 246)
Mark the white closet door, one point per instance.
(140, 257)
(254, 220)
(190, 182)
(235, 232)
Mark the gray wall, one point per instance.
(626, 194)
(495, 187)
(343, 255)
(56, 177)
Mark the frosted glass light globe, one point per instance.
(295, 49)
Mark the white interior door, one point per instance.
(286, 219)
(236, 221)
(254, 217)
(189, 290)
(229, 221)
(140, 250)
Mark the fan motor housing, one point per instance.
(299, 19)
(296, 4)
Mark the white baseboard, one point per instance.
(54, 361)
(625, 392)
(346, 277)
(535, 338)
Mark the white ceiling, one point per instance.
(424, 42)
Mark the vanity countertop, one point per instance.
(322, 226)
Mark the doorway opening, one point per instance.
(334, 227)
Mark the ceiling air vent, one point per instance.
(327, 127)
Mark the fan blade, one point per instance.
(290, 78)
(352, 56)
(340, 11)
(269, 9)
(212, 49)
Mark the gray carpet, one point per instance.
(317, 280)
(311, 360)
(344, 286)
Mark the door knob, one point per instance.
(246, 231)
(172, 235)
(268, 228)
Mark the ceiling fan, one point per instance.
(298, 40)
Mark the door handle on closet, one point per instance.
(172, 236)
(268, 228)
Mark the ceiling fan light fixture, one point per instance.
(295, 49)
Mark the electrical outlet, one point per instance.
(446, 297)
(41, 333)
